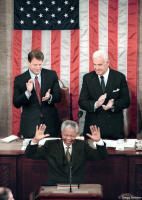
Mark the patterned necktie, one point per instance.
(68, 156)
(102, 84)
(37, 87)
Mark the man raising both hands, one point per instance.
(61, 154)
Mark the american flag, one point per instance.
(104, 24)
(46, 14)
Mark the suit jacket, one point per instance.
(110, 121)
(58, 167)
(32, 112)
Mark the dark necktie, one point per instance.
(37, 87)
(68, 156)
(102, 84)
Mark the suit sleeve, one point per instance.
(124, 99)
(85, 102)
(100, 153)
(19, 97)
(35, 152)
(55, 90)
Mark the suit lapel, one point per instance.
(27, 76)
(75, 155)
(60, 153)
(96, 84)
(111, 79)
(43, 83)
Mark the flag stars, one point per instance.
(34, 21)
(28, 2)
(71, 21)
(40, 2)
(21, 9)
(34, 9)
(21, 22)
(59, 9)
(65, 15)
(65, 2)
(53, 15)
(59, 21)
(46, 9)
(40, 15)
(28, 15)
(46, 22)
(72, 8)
(53, 2)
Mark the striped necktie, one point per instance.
(68, 156)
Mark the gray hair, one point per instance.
(70, 124)
(101, 53)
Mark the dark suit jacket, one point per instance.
(53, 152)
(32, 112)
(111, 121)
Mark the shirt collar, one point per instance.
(105, 75)
(65, 147)
(34, 75)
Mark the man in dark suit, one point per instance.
(103, 96)
(36, 91)
(68, 153)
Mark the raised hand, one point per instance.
(101, 100)
(47, 95)
(29, 85)
(95, 133)
(109, 104)
(39, 135)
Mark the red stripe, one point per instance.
(16, 67)
(132, 57)
(93, 30)
(56, 51)
(113, 33)
(36, 40)
(74, 72)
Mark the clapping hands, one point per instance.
(47, 95)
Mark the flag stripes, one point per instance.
(106, 24)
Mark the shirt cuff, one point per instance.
(32, 143)
(101, 143)
(95, 107)
(27, 95)
(50, 100)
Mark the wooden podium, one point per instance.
(85, 191)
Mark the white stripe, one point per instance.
(103, 24)
(122, 35)
(46, 49)
(26, 48)
(84, 48)
(84, 40)
(65, 58)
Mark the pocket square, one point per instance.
(116, 90)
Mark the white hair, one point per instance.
(101, 53)
(70, 124)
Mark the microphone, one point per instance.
(70, 166)
(80, 113)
